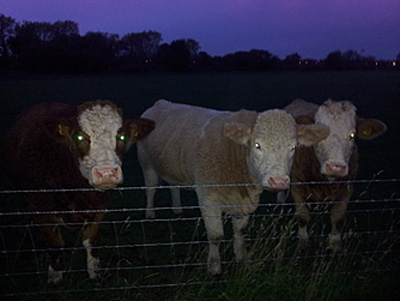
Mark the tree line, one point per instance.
(58, 47)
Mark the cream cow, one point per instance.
(198, 146)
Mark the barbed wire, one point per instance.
(171, 285)
(385, 205)
(194, 186)
(186, 243)
(173, 219)
(191, 207)
(203, 263)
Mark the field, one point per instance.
(165, 259)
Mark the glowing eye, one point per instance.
(352, 135)
(293, 147)
(80, 138)
(122, 138)
(258, 146)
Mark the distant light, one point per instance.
(299, 62)
(394, 64)
(376, 63)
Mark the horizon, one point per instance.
(313, 29)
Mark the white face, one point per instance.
(335, 151)
(101, 165)
(272, 148)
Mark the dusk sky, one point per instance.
(312, 28)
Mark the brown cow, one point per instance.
(54, 146)
(333, 159)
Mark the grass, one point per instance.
(138, 269)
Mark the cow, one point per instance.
(198, 146)
(58, 146)
(333, 161)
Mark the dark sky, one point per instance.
(312, 28)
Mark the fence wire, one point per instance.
(194, 186)
(180, 243)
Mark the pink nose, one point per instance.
(279, 183)
(107, 178)
(336, 169)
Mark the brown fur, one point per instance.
(39, 153)
(306, 168)
(332, 196)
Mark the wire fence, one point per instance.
(171, 251)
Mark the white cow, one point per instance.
(197, 146)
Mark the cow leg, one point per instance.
(303, 217)
(338, 219)
(239, 224)
(212, 216)
(151, 180)
(89, 239)
(54, 241)
(176, 200)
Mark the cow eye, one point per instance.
(352, 135)
(293, 148)
(80, 137)
(258, 146)
(121, 137)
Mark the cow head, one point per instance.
(99, 136)
(271, 142)
(335, 151)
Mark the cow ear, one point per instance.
(369, 129)
(64, 132)
(305, 119)
(141, 127)
(138, 129)
(59, 130)
(238, 132)
(311, 134)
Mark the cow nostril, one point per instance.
(335, 168)
(107, 177)
(279, 182)
(106, 172)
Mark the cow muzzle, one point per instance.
(106, 177)
(278, 183)
(335, 169)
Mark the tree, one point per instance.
(97, 51)
(7, 31)
(46, 47)
(65, 28)
(204, 61)
(138, 50)
(144, 44)
(334, 60)
(253, 60)
(349, 60)
(291, 61)
(180, 55)
(29, 45)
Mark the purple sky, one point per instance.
(312, 28)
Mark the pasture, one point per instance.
(166, 259)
